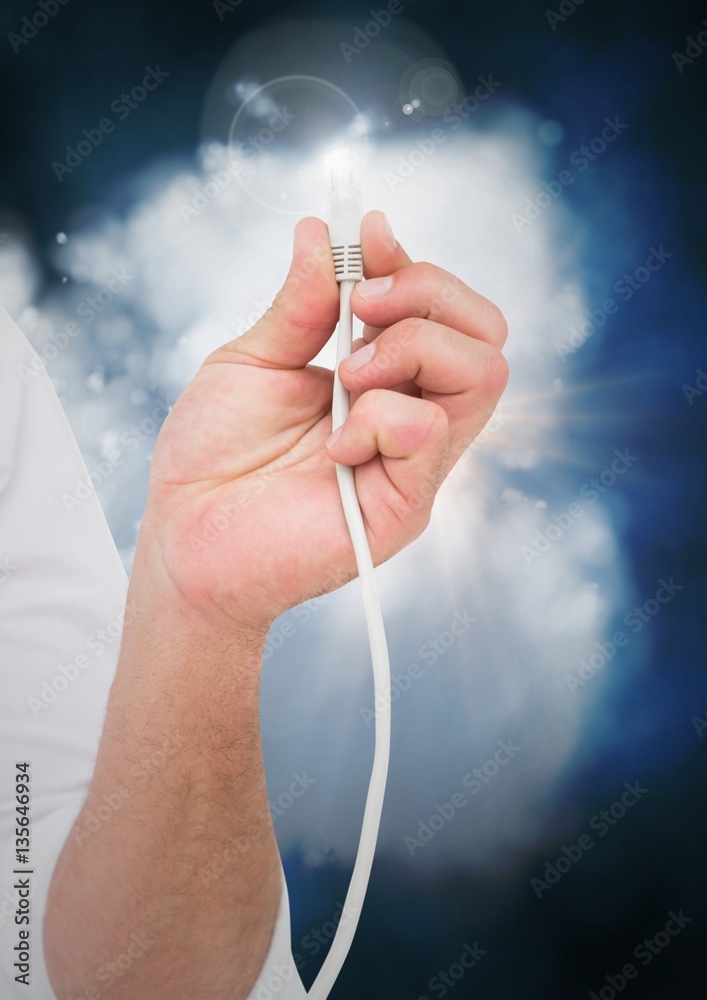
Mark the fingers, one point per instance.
(370, 333)
(428, 292)
(382, 254)
(461, 374)
(410, 434)
(306, 310)
(428, 333)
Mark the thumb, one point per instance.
(306, 309)
(382, 254)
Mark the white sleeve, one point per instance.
(62, 595)
(279, 978)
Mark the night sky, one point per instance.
(637, 381)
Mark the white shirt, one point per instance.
(62, 595)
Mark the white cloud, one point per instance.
(194, 285)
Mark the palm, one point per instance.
(245, 492)
(244, 506)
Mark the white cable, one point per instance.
(345, 233)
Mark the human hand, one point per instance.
(243, 512)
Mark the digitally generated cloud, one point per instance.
(152, 291)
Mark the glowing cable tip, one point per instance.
(344, 171)
(345, 214)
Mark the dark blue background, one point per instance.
(652, 192)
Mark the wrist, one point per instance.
(166, 623)
(190, 601)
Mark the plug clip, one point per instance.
(345, 214)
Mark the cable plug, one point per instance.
(345, 214)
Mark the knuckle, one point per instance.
(437, 420)
(397, 338)
(497, 323)
(412, 330)
(444, 288)
(368, 405)
(497, 372)
(424, 271)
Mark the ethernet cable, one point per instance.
(345, 213)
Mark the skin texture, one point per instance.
(243, 521)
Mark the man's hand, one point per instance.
(243, 512)
(244, 520)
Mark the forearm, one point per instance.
(173, 855)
